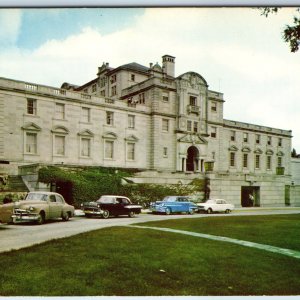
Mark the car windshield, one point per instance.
(36, 196)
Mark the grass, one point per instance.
(125, 261)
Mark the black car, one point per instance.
(110, 205)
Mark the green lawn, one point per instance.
(127, 261)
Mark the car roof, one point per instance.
(44, 193)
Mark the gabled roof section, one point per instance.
(132, 67)
(109, 135)
(60, 130)
(192, 139)
(189, 76)
(31, 127)
(86, 133)
(233, 148)
(131, 138)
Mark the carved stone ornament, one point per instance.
(192, 139)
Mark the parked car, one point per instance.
(215, 205)
(111, 205)
(37, 207)
(174, 204)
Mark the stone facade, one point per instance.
(145, 118)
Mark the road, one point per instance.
(25, 235)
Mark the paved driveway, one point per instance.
(21, 235)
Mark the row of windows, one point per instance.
(85, 113)
(270, 139)
(257, 161)
(59, 147)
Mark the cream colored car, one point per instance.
(37, 207)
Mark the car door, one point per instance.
(60, 203)
(54, 207)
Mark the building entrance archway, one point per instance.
(192, 160)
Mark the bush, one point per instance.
(88, 184)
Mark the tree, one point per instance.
(291, 33)
(294, 153)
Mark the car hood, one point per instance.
(25, 203)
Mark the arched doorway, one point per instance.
(192, 161)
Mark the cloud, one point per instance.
(10, 23)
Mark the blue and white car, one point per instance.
(174, 204)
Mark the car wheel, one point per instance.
(41, 219)
(168, 211)
(191, 211)
(131, 214)
(105, 214)
(209, 211)
(227, 211)
(66, 216)
(88, 215)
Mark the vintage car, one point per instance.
(37, 207)
(174, 204)
(215, 205)
(111, 205)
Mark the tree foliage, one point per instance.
(88, 184)
(291, 33)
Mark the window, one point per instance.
(269, 140)
(245, 137)
(132, 77)
(257, 139)
(165, 125)
(113, 78)
(102, 93)
(59, 111)
(94, 88)
(165, 96)
(31, 106)
(86, 90)
(213, 132)
(113, 90)
(141, 98)
(109, 149)
(193, 101)
(189, 125)
(232, 135)
(165, 151)
(31, 143)
(102, 82)
(85, 147)
(245, 160)
(131, 121)
(59, 145)
(269, 162)
(257, 161)
(195, 126)
(85, 114)
(232, 159)
(130, 151)
(279, 142)
(109, 118)
(279, 161)
(214, 106)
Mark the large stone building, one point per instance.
(133, 116)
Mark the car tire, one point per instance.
(168, 211)
(191, 211)
(105, 214)
(41, 219)
(131, 214)
(66, 216)
(209, 211)
(227, 211)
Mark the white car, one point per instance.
(215, 205)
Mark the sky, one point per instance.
(239, 52)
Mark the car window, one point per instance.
(119, 200)
(52, 198)
(59, 199)
(36, 196)
(107, 200)
(125, 201)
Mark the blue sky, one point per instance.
(40, 25)
(237, 51)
